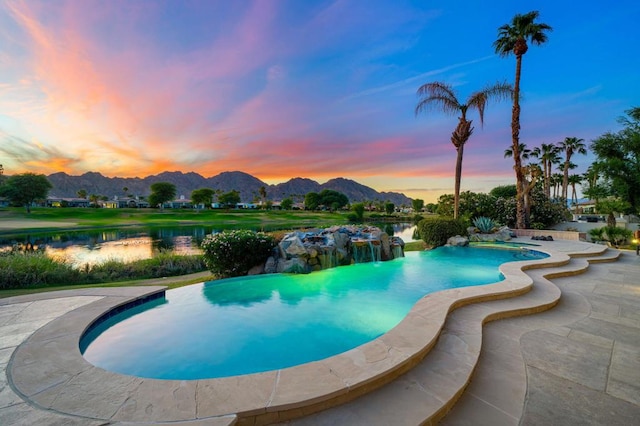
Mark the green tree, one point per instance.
(504, 191)
(471, 205)
(161, 192)
(82, 193)
(311, 201)
(286, 204)
(389, 207)
(610, 206)
(333, 199)
(230, 199)
(417, 204)
(2, 176)
(442, 97)
(512, 39)
(618, 159)
(431, 207)
(594, 185)
(202, 196)
(23, 189)
(358, 210)
(570, 146)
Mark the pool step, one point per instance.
(426, 393)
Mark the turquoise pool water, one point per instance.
(253, 324)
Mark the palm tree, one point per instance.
(573, 181)
(556, 183)
(548, 153)
(512, 38)
(441, 96)
(570, 146)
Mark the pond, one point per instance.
(81, 248)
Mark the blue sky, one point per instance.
(316, 89)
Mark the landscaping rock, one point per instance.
(458, 241)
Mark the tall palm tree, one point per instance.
(513, 38)
(442, 97)
(570, 146)
(549, 154)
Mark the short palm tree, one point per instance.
(513, 38)
(442, 97)
(549, 154)
(570, 146)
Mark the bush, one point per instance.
(617, 236)
(234, 253)
(596, 234)
(35, 269)
(436, 230)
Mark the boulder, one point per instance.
(458, 241)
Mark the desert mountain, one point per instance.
(65, 185)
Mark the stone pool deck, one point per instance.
(576, 363)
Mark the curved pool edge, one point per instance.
(48, 370)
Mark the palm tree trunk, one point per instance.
(547, 178)
(565, 179)
(515, 141)
(456, 197)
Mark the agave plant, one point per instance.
(484, 224)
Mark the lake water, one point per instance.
(80, 248)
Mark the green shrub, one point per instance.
(484, 224)
(233, 253)
(596, 234)
(35, 269)
(436, 230)
(616, 235)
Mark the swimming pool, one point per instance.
(253, 324)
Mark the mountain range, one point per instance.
(65, 185)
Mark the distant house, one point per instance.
(124, 203)
(181, 203)
(4, 202)
(246, 206)
(67, 202)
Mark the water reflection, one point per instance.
(81, 248)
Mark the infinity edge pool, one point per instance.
(72, 385)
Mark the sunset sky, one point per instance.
(288, 88)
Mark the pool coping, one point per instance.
(49, 372)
